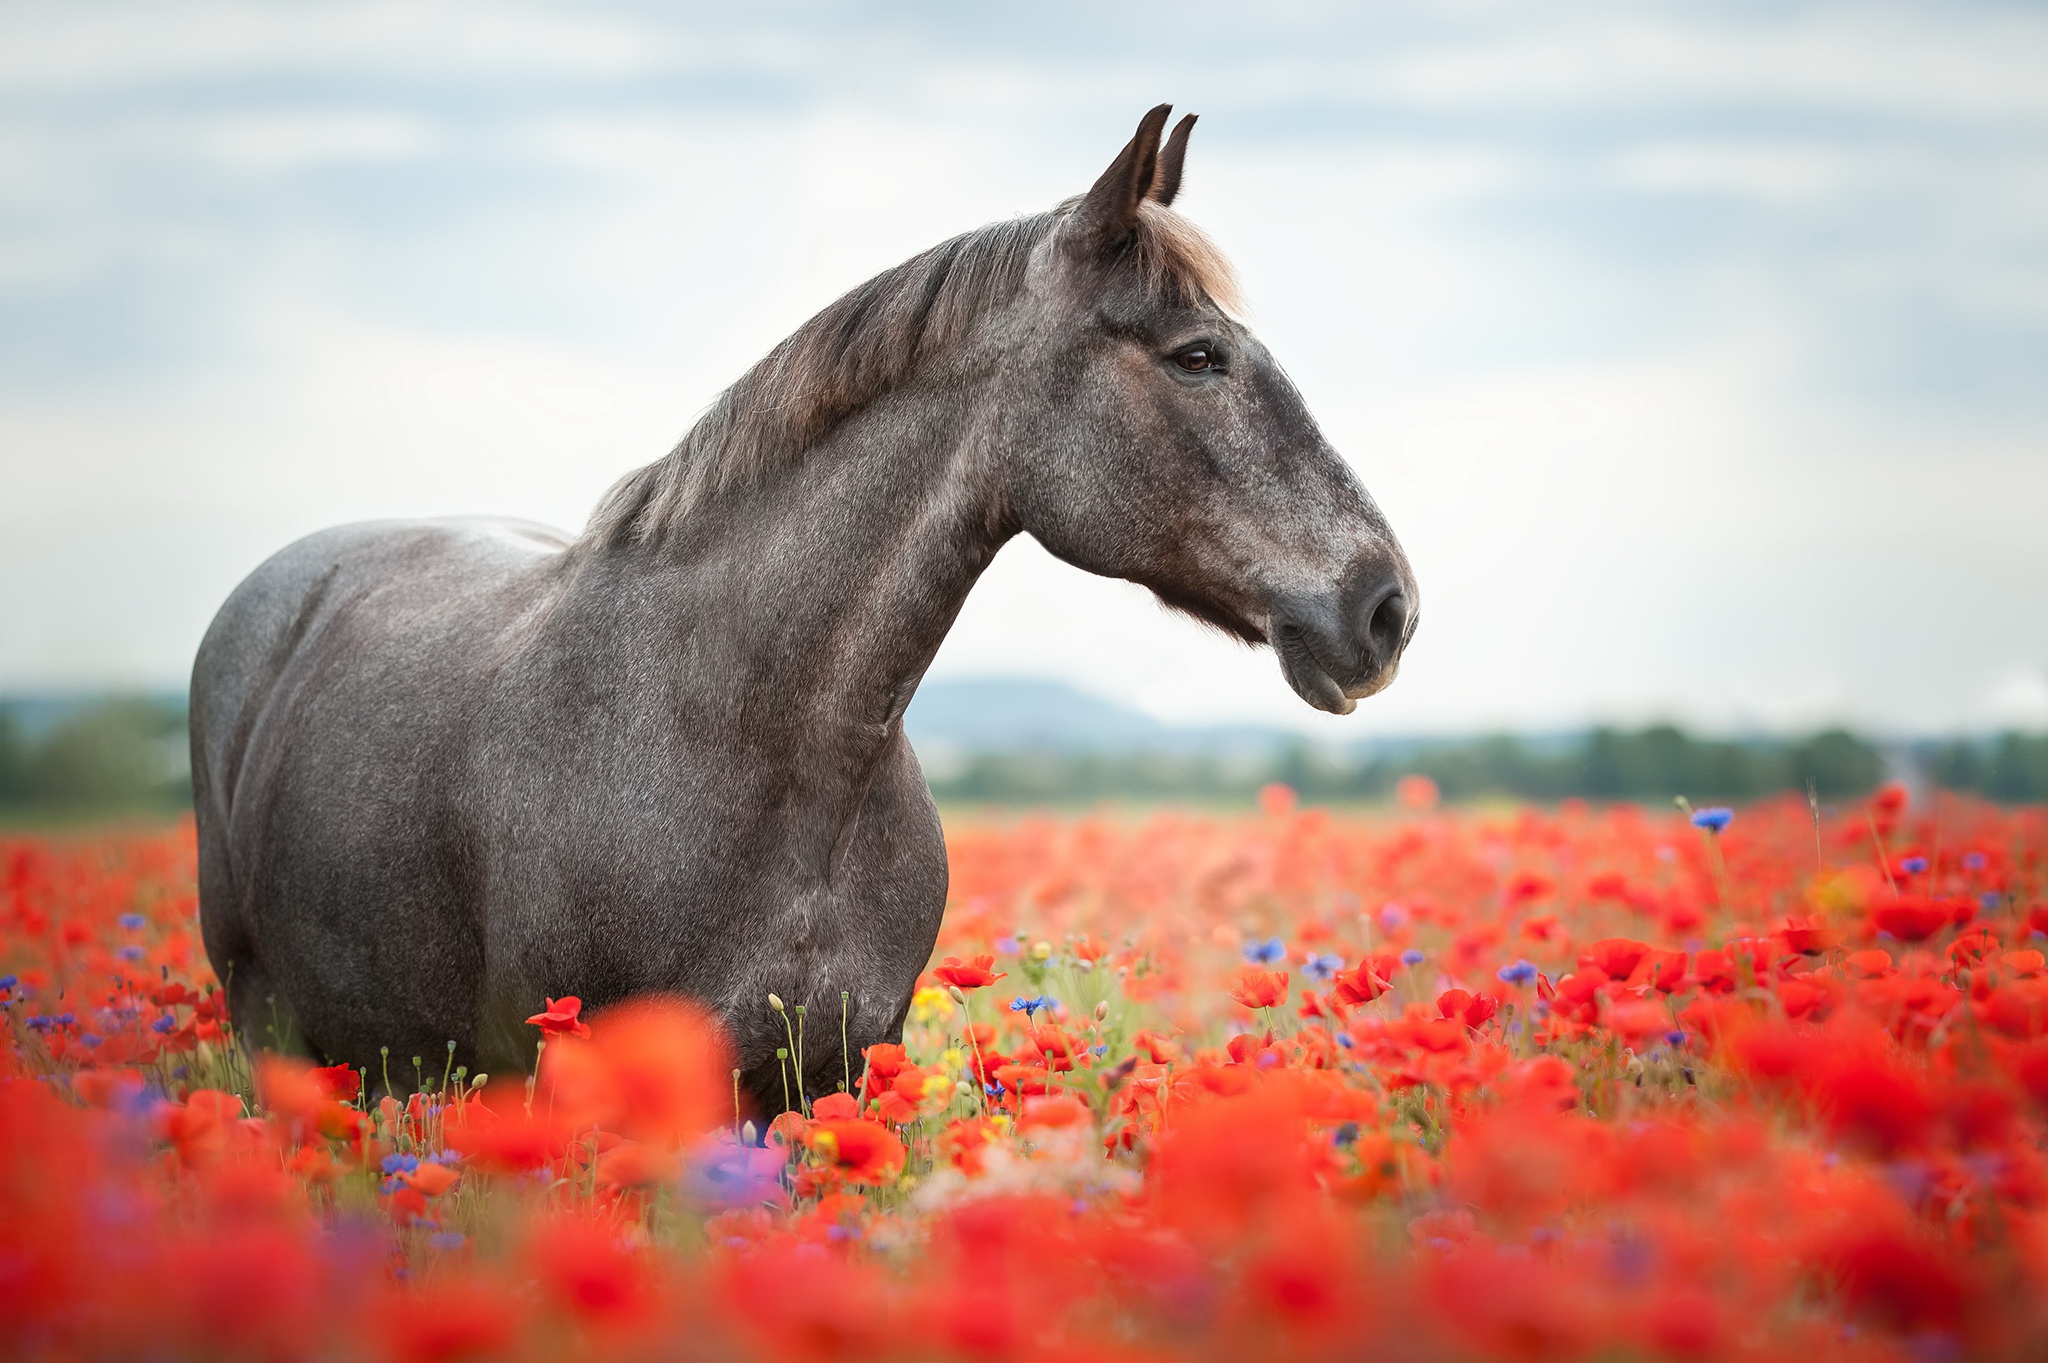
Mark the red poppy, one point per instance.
(1667, 971)
(655, 1069)
(1807, 936)
(835, 1107)
(974, 973)
(1910, 918)
(858, 1151)
(560, 1018)
(1471, 1009)
(1351, 987)
(1256, 988)
(1618, 956)
(340, 1082)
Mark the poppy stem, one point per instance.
(782, 1064)
(447, 1067)
(803, 1102)
(789, 1032)
(1884, 858)
(735, 1106)
(845, 1046)
(974, 1044)
(1820, 862)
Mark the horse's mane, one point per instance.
(867, 343)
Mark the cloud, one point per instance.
(1695, 353)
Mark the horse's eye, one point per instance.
(1194, 359)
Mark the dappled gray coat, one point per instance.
(444, 769)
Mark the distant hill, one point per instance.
(1019, 741)
(1010, 714)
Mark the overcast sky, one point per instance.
(1699, 354)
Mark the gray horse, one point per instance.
(444, 769)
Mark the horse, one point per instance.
(446, 769)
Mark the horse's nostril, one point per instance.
(1387, 628)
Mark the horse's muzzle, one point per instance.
(1335, 650)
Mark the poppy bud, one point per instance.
(775, 1003)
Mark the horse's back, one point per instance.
(277, 609)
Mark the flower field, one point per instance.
(1419, 1084)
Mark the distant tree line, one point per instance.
(129, 755)
(1650, 764)
(120, 755)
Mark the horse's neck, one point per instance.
(813, 600)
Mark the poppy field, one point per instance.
(1420, 1083)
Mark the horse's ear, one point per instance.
(1166, 179)
(1108, 213)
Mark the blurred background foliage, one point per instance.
(93, 757)
(128, 754)
(1651, 764)
(80, 758)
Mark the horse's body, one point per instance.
(445, 769)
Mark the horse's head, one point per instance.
(1166, 445)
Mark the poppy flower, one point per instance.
(974, 973)
(560, 1018)
(1360, 985)
(1471, 1009)
(857, 1151)
(834, 1107)
(340, 1082)
(1910, 918)
(1807, 936)
(654, 1069)
(1618, 956)
(1256, 988)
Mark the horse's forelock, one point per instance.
(869, 341)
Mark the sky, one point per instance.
(1696, 353)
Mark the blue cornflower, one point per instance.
(1030, 1007)
(8, 981)
(1521, 972)
(1973, 861)
(1344, 1040)
(1392, 915)
(131, 952)
(447, 1240)
(165, 1024)
(1346, 1134)
(1321, 966)
(994, 1090)
(1674, 1038)
(131, 921)
(397, 1164)
(39, 1023)
(1269, 952)
(1100, 1050)
(1987, 901)
(1913, 866)
(1412, 957)
(63, 1019)
(1009, 946)
(89, 1039)
(1713, 820)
